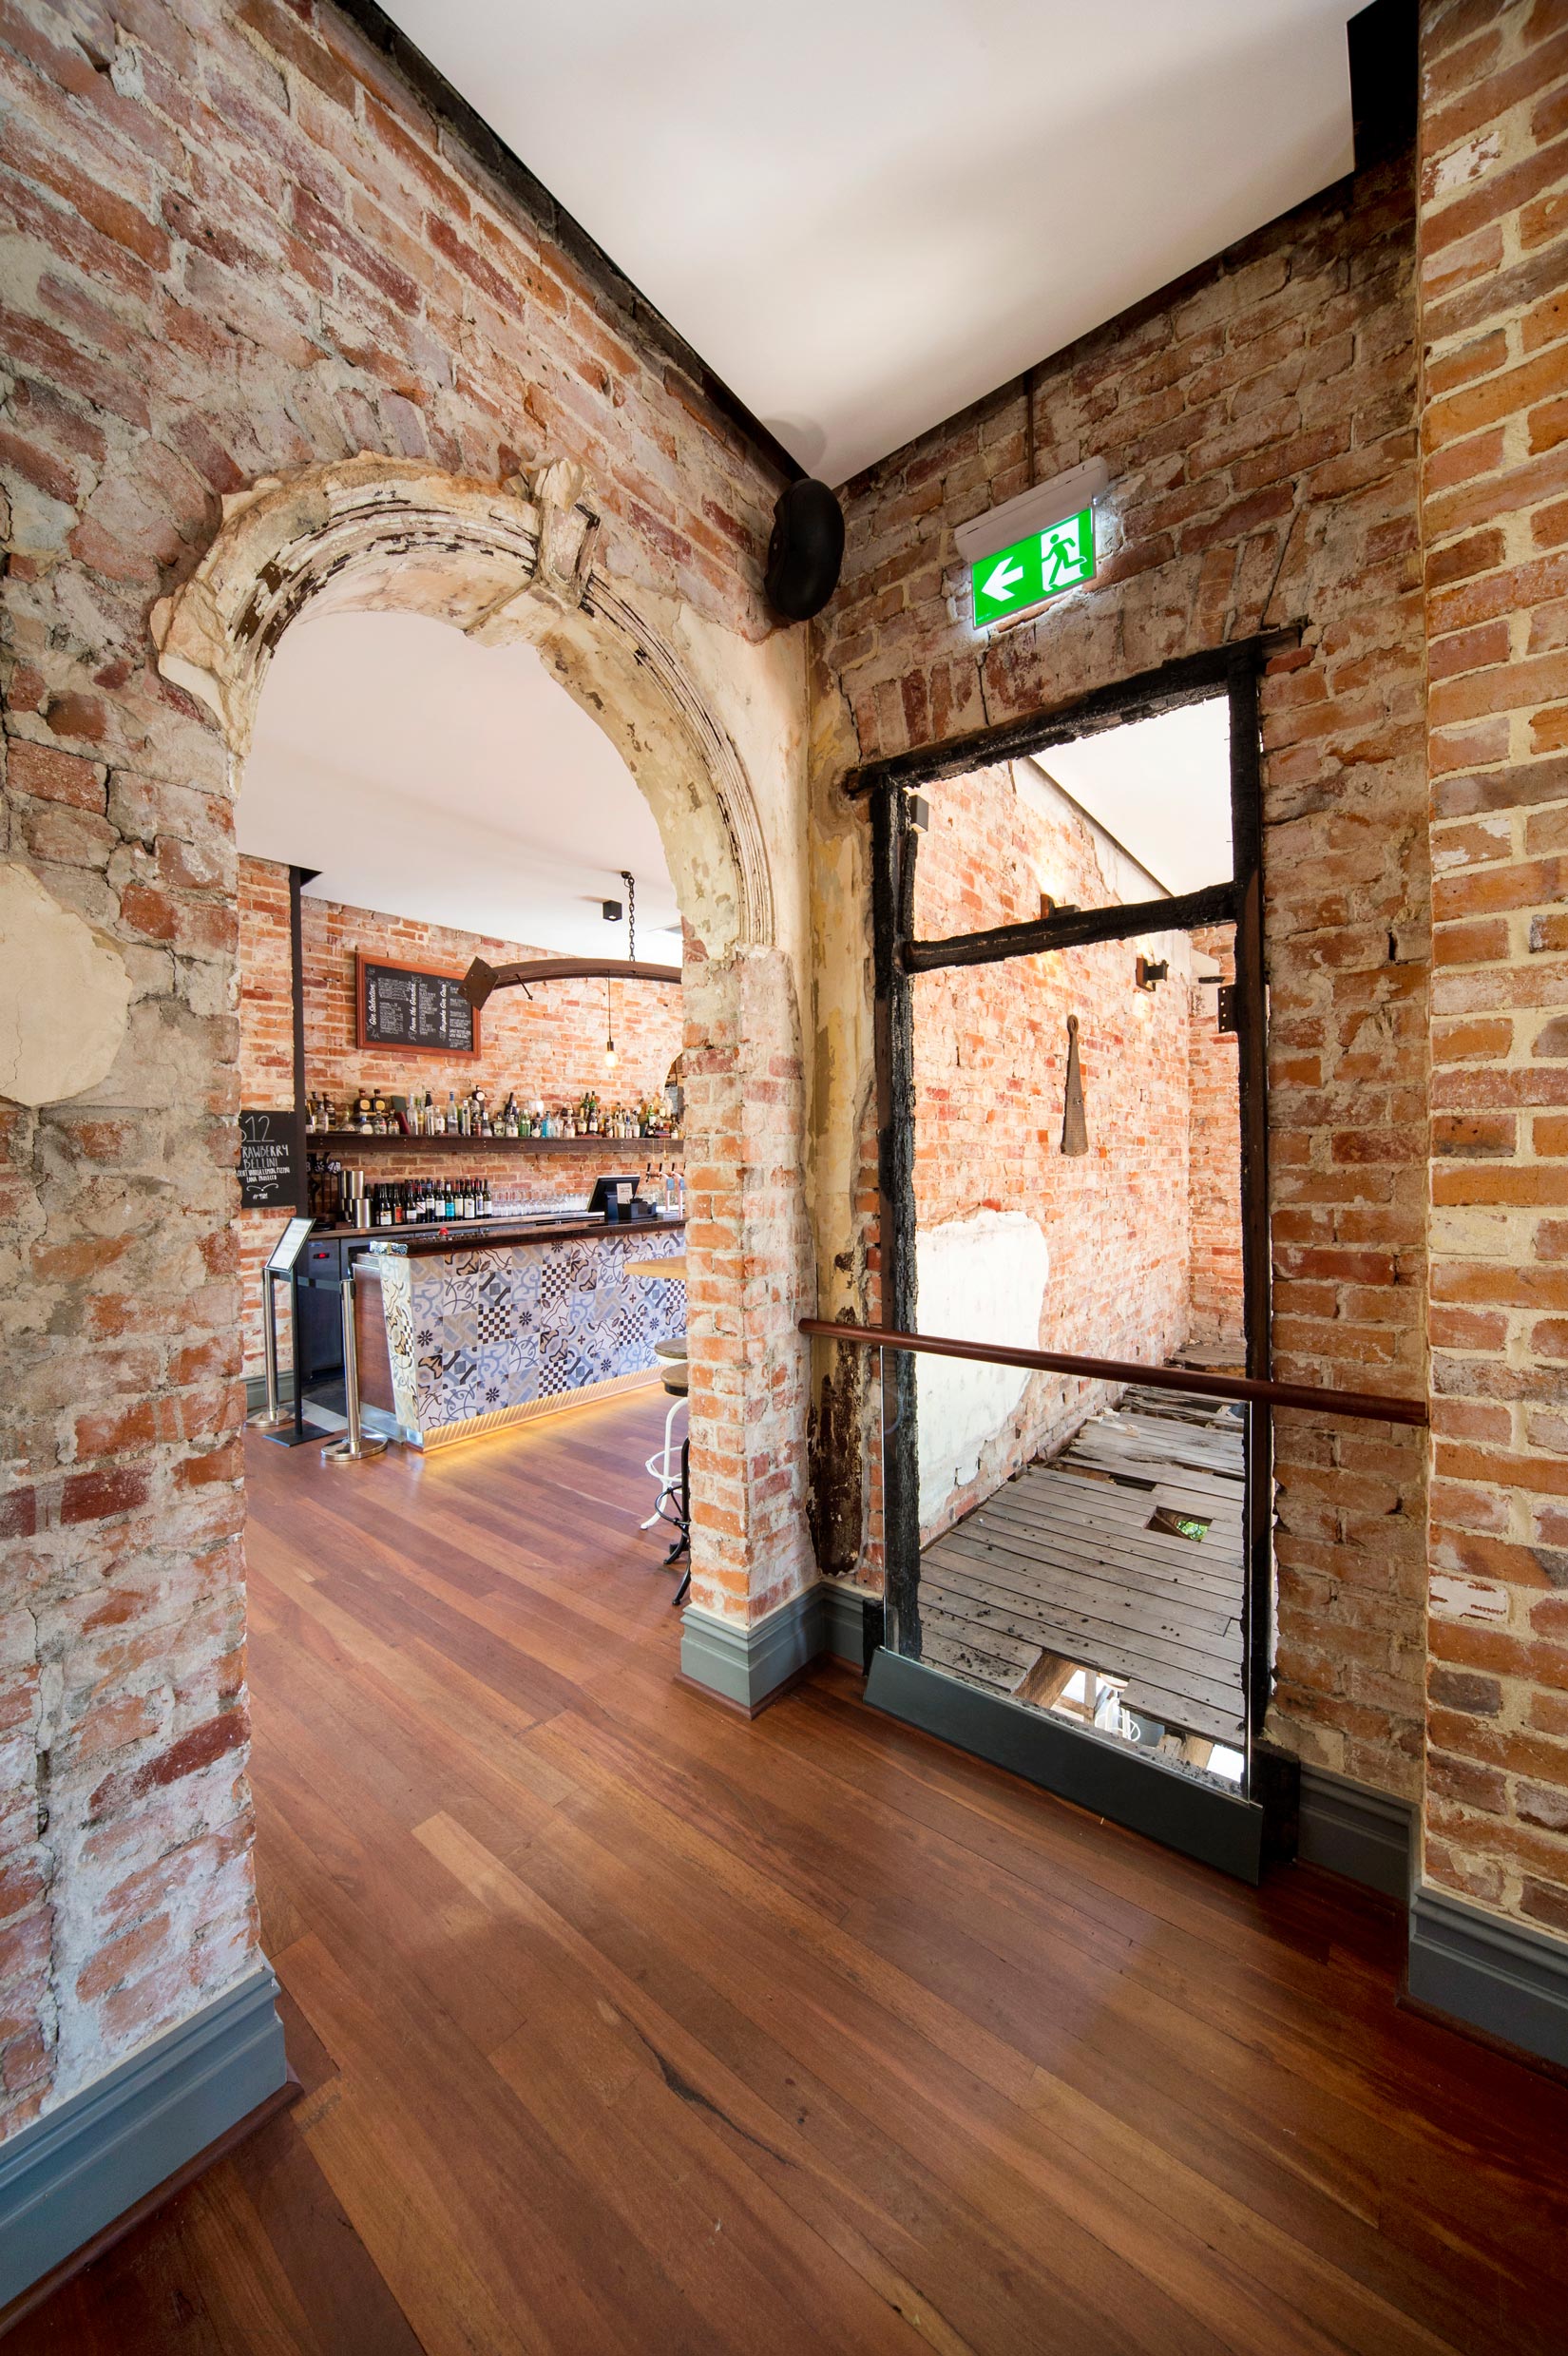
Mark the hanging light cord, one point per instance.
(630, 882)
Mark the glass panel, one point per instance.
(1132, 813)
(1076, 1179)
(1103, 1582)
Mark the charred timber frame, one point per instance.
(1232, 671)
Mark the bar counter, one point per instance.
(482, 1325)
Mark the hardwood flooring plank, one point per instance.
(627, 2025)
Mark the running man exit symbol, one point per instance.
(1012, 579)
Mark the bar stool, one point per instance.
(675, 1371)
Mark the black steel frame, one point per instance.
(897, 955)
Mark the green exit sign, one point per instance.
(1041, 566)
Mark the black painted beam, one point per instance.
(1127, 920)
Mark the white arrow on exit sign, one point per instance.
(1000, 584)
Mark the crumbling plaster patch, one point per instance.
(65, 995)
(982, 1279)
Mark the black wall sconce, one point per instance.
(1152, 972)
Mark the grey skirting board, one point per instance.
(1498, 1975)
(746, 1665)
(1346, 1827)
(71, 2172)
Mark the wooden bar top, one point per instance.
(492, 1235)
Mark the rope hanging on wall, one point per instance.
(1075, 1135)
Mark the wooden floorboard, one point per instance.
(1061, 1562)
(627, 2026)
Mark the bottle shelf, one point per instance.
(315, 1137)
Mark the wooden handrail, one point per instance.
(1364, 1404)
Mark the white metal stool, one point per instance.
(665, 1467)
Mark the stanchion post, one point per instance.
(358, 1446)
(272, 1416)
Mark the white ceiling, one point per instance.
(864, 213)
(1163, 787)
(433, 777)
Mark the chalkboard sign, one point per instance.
(267, 1173)
(422, 1014)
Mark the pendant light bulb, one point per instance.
(609, 1028)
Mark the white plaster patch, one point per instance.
(1452, 1597)
(1465, 162)
(980, 1279)
(65, 995)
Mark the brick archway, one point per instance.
(516, 562)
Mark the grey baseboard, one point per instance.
(256, 1390)
(1500, 1977)
(851, 1620)
(81, 2166)
(747, 1665)
(1352, 1829)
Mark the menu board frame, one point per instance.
(366, 1037)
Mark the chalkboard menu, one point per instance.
(267, 1173)
(422, 1014)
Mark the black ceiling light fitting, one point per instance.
(806, 552)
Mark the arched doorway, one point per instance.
(517, 563)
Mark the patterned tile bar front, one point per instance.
(486, 1336)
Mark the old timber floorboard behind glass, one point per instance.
(629, 2028)
(1083, 1560)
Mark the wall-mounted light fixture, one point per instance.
(1152, 972)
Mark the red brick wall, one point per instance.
(1259, 424)
(241, 251)
(1215, 1291)
(550, 1046)
(1494, 280)
(990, 1054)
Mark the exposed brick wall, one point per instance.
(1494, 280)
(746, 1213)
(551, 1046)
(1258, 420)
(990, 1058)
(1215, 1291)
(235, 249)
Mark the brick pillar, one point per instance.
(750, 1369)
(1493, 309)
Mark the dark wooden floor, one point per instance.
(627, 2026)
